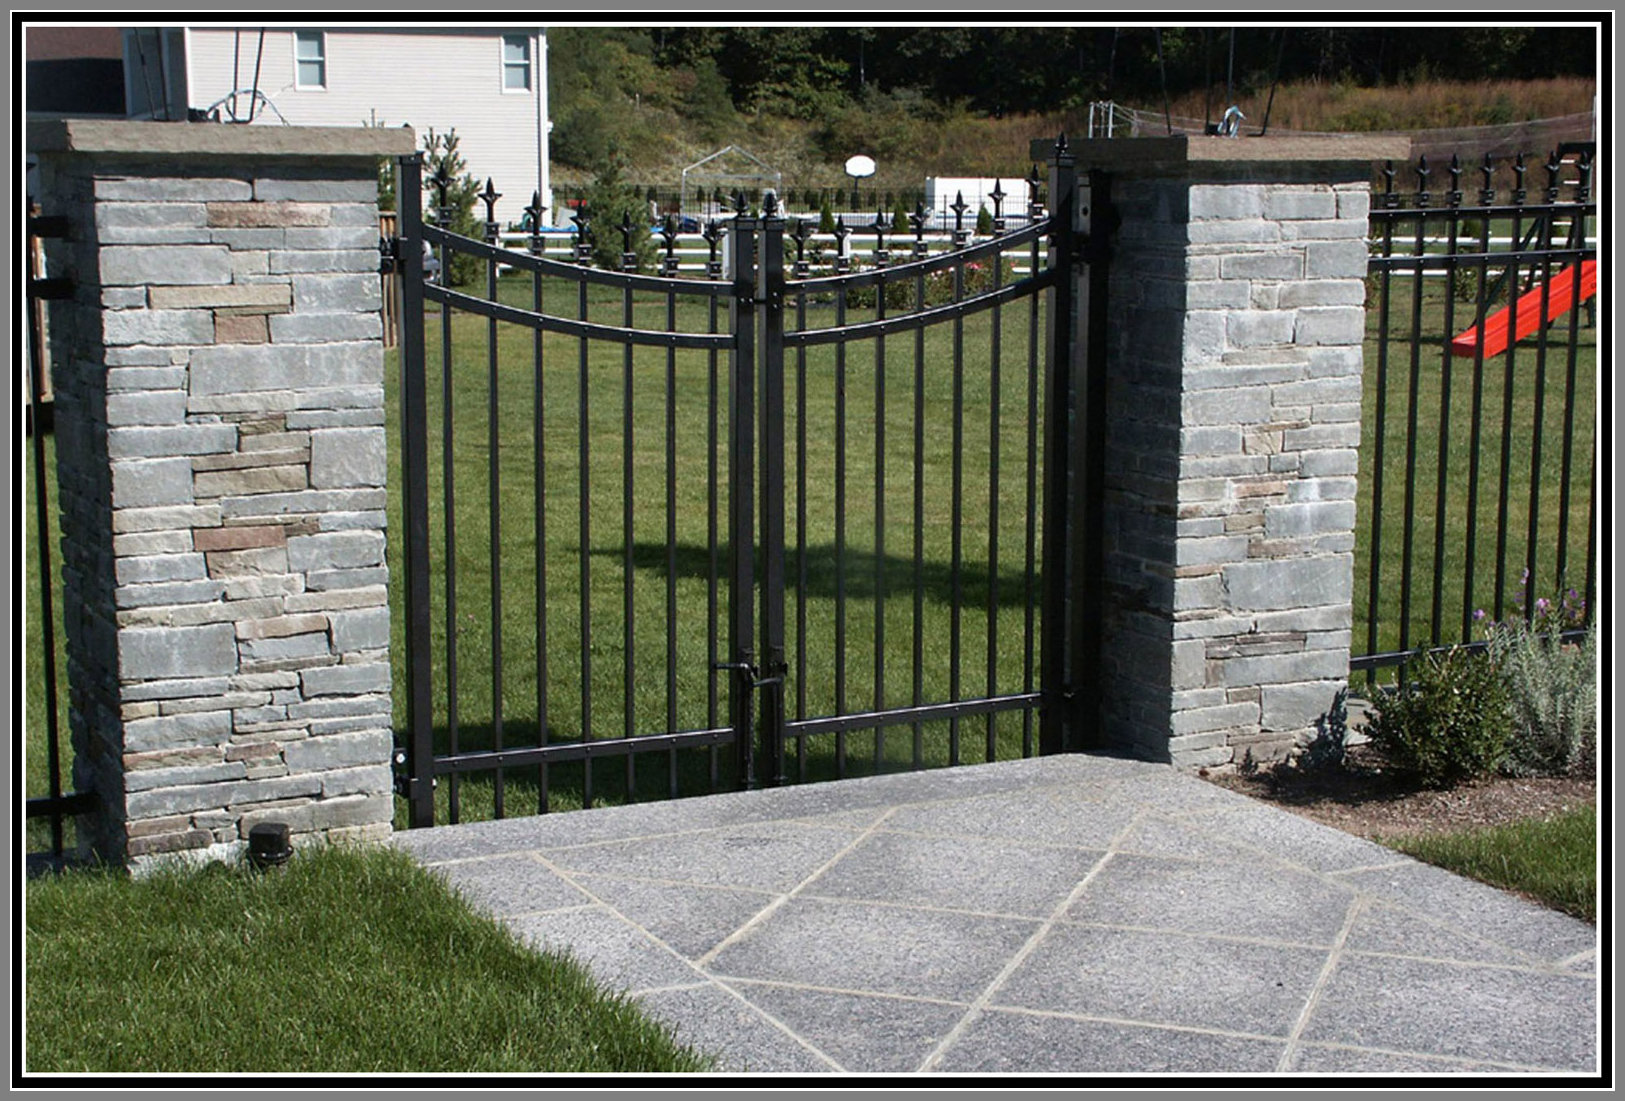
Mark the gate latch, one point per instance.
(756, 680)
(389, 255)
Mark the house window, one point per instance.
(515, 63)
(310, 59)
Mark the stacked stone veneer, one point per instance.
(1234, 382)
(221, 462)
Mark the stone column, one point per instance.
(221, 462)
(1233, 422)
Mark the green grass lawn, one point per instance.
(1551, 859)
(228, 970)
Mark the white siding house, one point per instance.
(489, 83)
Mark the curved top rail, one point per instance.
(913, 268)
(560, 269)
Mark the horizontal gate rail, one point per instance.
(486, 760)
(1010, 242)
(920, 319)
(906, 716)
(590, 330)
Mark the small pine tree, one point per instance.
(901, 222)
(826, 216)
(984, 223)
(441, 150)
(609, 202)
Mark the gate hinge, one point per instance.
(50, 289)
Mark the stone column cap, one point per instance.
(147, 140)
(1198, 155)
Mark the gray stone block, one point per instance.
(1323, 292)
(1243, 405)
(1239, 232)
(140, 355)
(350, 521)
(347, 579)
(273, 188)
(148, 407)
(181, 800)
(1312, 518)
(322, 328)
(364, 629)
(1265, 585)
(229, 369)
(1296, 706)
(148, 779)
(304, 501)
(165, 264)
(1262, 265)
(1226, 201)
(168, 592)
(1283, 668)
(332, 237)
(1336, 260)
(138, 544)
(374, 596)
(312, 644)
(171, 189)
(376, 780)
(175, 689)
(168, 440)
(335, 418)
(1258, 328)
(345, 457)
(148, 483)
(337, 293)
(157, 327)
(1330, 325)
(158, 567)
(1321, 437)
(295, 261)
(330, 751)
(171, 731)
(1282, 204)
(374, 707)
(337, 680)
(335, 550)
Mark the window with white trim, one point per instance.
(310, 59)
(515, 63)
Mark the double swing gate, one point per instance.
(669, 535)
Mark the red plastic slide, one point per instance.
(1559, 297)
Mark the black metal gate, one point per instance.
(751, 434)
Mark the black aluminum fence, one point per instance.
(1478, 470)
(46, 799)
(674, 535)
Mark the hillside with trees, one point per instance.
(955, 100)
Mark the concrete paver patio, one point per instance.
(1063, 914)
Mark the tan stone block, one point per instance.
(268, 215)
(260, 479)
(249, 329)
(239, 538)
(254, 562)
(239, 460)
(253, 751)
(277, 422)
(281, 626)
(228, 296)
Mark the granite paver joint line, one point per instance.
(1356, 907)
(778, 903)
(708, 980)
(1027, 948)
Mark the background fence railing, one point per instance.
(1477, 471)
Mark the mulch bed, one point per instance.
(1370, 800)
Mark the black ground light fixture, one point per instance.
(268, 845)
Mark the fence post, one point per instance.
(1231, 333)
(770, 309)
(415, 494)
(741, 494)
(222, 469)
(1055, 718)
